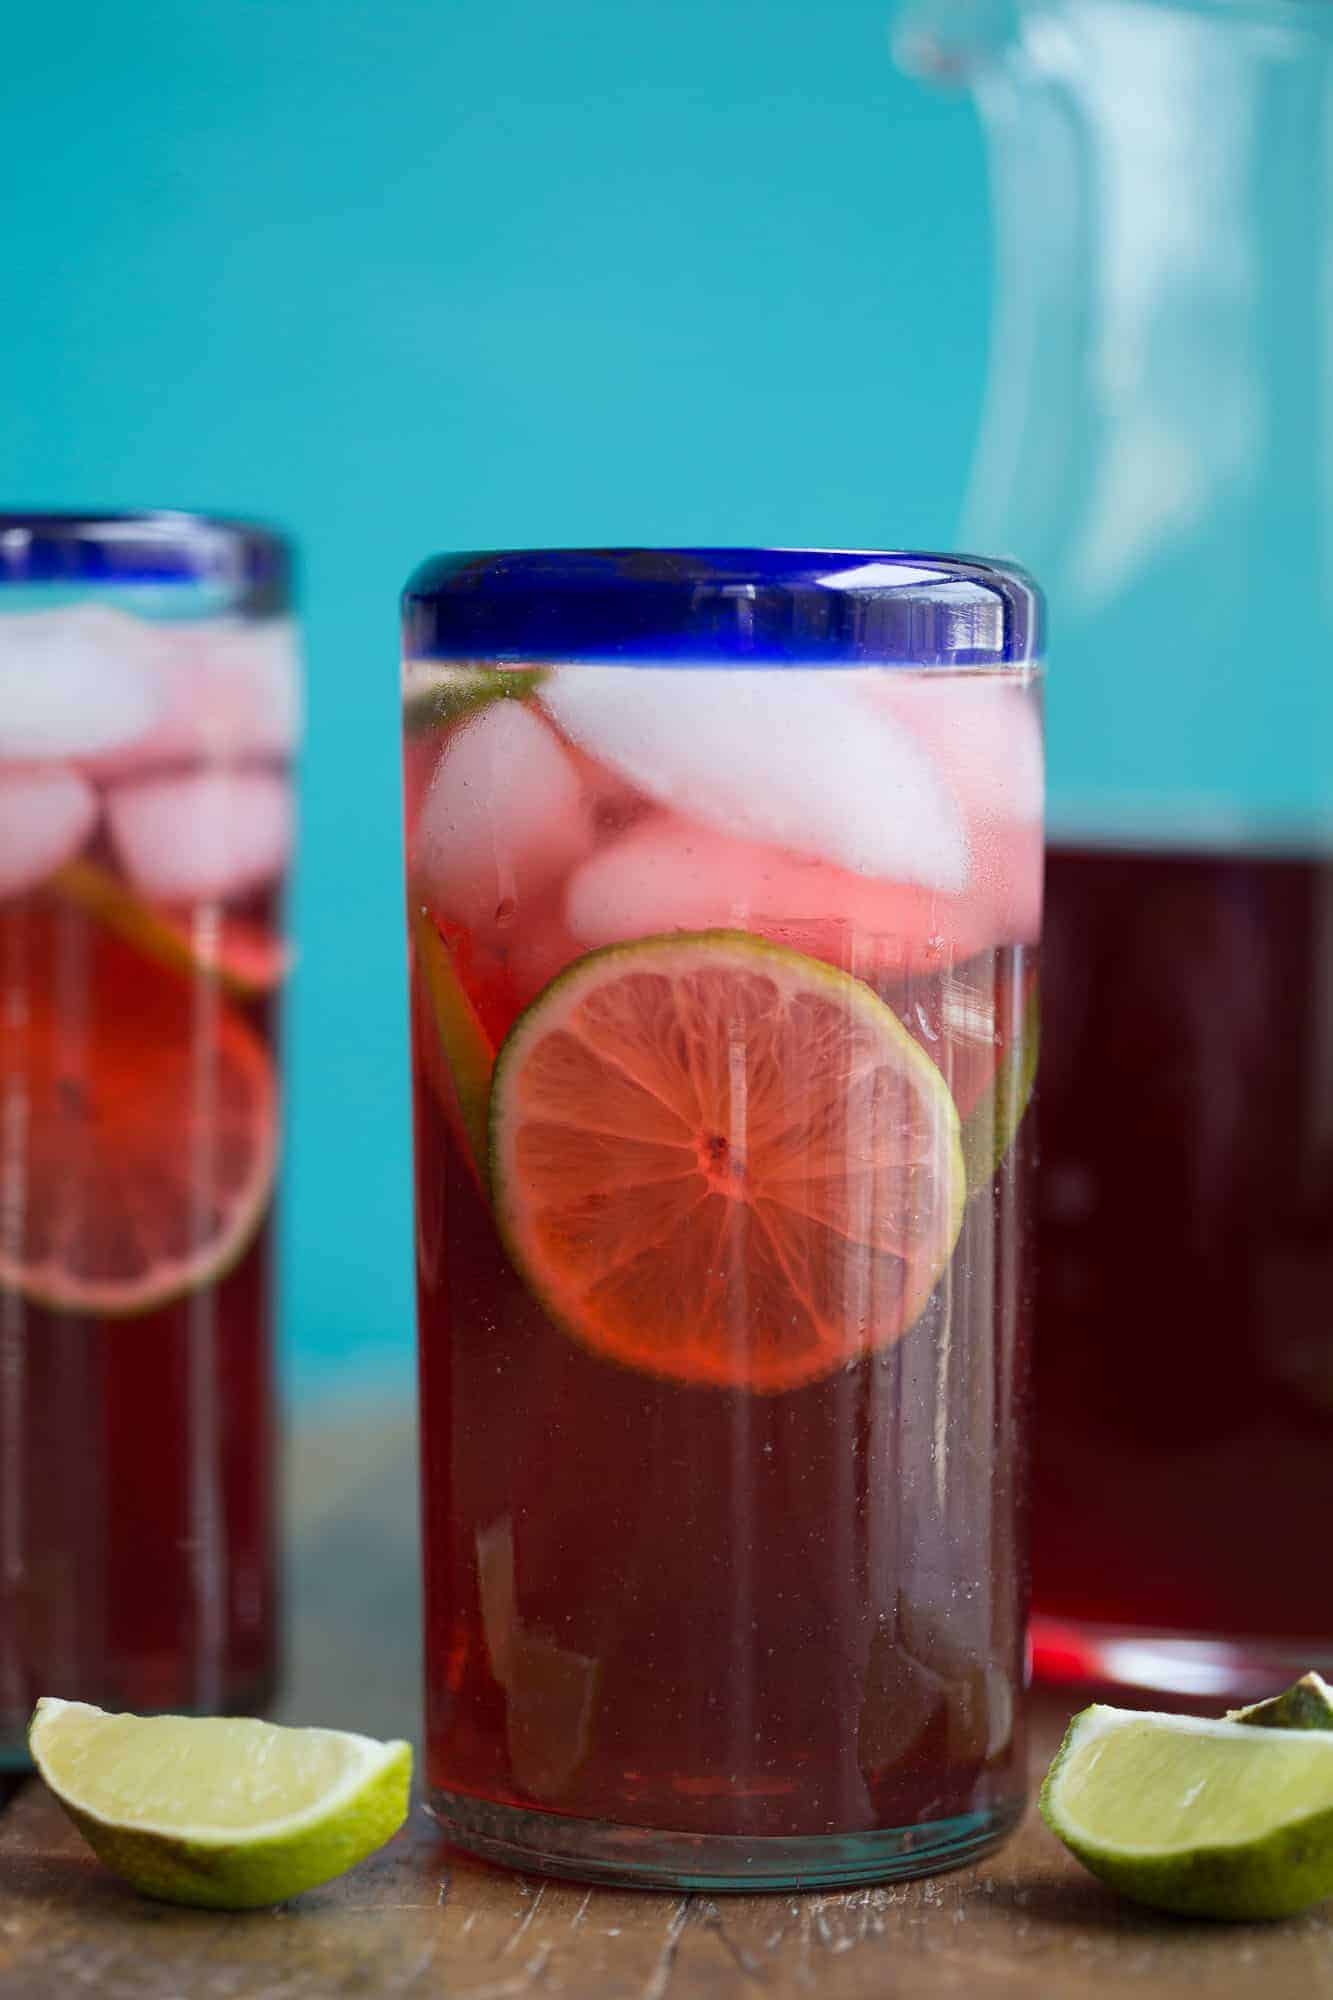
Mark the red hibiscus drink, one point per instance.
(724, 882)
(148, 697)
(1183, 1476)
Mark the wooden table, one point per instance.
(419, 1920)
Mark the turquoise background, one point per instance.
(404, 275)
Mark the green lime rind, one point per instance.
(990, 1128)
(643, 954)
(464, 1043)
(1308, 1704)
(231, 1868)
(1200, 1818)
(439, 692)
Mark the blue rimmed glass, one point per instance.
(149, 712)
(724, 883)
(235, 566)
(800, 606)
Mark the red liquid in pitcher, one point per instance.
(1184, 1352)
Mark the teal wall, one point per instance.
(405, 275)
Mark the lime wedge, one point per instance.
(437, 692)
(1307, 1705)
(1208, 1819)
(224, 1813)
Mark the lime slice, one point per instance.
(225, 1813)
(247, 959)
(721, 1162)
(1209, 1819)
(438, 692)
(464, 1082)
(144, 1163)
(1307, 1705)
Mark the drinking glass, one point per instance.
(724, 883)
(148, 717)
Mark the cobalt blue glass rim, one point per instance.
(712, 606)
(143, 547)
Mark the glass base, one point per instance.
(1239, 1670)
(648, 1857)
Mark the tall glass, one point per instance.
(1158, 443)
(724, 881)
(148, 717)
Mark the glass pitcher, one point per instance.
(1157, 445)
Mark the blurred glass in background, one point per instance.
(149, 713)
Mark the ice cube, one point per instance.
(228, 692)
(504, 816)
(669, 873)
(76, 682)
(45, 817)
(233, 689)
(981, 732)
(790, 756)
(1008, 872)
(213, 834)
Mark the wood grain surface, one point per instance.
(419, 1920)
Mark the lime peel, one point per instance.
(1201, 1817)
(183, 1807)
(1306, 1705)
(439, 692)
